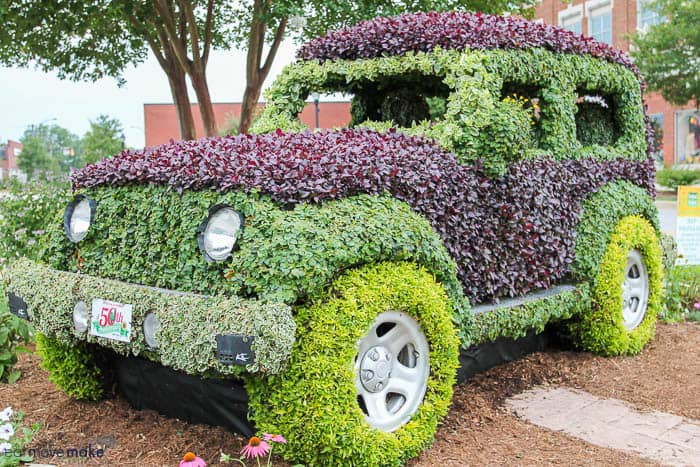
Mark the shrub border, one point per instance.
(186, 335)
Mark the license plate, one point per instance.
(111, 320)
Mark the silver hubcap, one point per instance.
(391, 370)
(635, 291)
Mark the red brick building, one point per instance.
(161, 125)
(611, 21)
(9, 153)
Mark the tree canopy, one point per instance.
(34, 157)
(90, 40)
(104, 139)
(49, 148)
(668, 53)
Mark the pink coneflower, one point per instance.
(191, 460)
(274, 438)
(697, 306)
(255, 448)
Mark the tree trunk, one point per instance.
(198, 78)
(256, 69)
(249, 105)
(178, 88)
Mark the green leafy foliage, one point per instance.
(601, 213)
(667, 53)
(148, 235)
(404, 107)
(72, 368)
(508, 136)
(25, 212)
(594, 125)
(478, 124)
(314, 403)
(21, 438)
(14, 333)
(673, 178)
(681, 293)
(49, 148)
(104, 139)
(602, 329)
(188, 323)
(515, 322)
(35, 157)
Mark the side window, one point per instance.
(326, 110)
(402, 100)
(595, 119)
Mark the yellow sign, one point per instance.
(688, 225)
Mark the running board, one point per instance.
(523, 300)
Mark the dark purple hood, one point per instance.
(289, 166)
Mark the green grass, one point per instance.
(688, 273)
(682, 292)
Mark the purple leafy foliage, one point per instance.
(508, 235)
(423, 32)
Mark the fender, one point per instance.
(600, 214)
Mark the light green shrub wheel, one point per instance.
(627, 292)
(73, 369)
(376, 325)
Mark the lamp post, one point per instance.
(34, 127)
(316, 98)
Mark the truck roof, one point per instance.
(424, 32)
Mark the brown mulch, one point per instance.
(478, 430)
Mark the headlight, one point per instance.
(81, 316)
(78, 218)
(219, 233)
(150, 327)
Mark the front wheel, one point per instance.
(371, 373)
(627, 292)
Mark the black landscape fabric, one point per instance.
(148, 385)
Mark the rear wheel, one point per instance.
(635, 291)
(371, 373)
(626, 292)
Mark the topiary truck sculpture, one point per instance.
(495, 178)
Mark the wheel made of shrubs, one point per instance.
(371, 373)
(627, 292)
(76, 371)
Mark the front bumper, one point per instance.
(195, 334)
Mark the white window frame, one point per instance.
(596, 8)
(572, 14)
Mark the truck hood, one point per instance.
(291, 167)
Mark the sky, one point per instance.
(29, 96)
